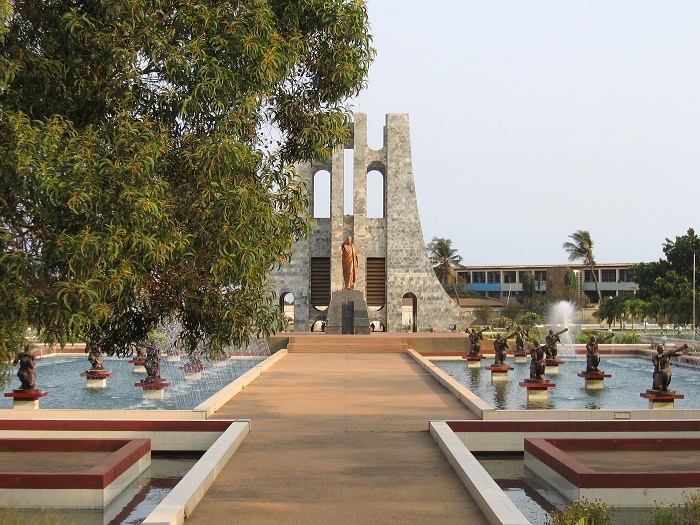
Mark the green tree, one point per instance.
(528, 281)
(636, 308)
(444, 258)
(561, 285)
(483, 314)
(613, 309)
(145, 153)
(511, 310)
(669, 282)
(580, 248)
(530, 319)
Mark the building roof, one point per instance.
(475, 302)
(506, 267)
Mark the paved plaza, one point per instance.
(340, 438)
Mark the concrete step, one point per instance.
(346, 344)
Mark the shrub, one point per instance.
(627, 338)
(530, 319)
(501, 322)
(686, 514)
(581, 512)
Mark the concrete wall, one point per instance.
(397, 237)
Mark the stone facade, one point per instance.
(397, 237)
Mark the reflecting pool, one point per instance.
(535, 498)
(60, 377)
(131, 507)
(630, 377)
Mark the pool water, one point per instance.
(60, 377)
(535, 498)
(629, 378)
(131, 507)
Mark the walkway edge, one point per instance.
(215, 402)
(182, 500)
(493, 502)
(466, 396)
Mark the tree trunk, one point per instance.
(595, 281)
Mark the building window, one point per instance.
(588, 276)
(608, 276)
(623, 276)
(478, 277)
(522, 274)
(494, 277)
(541, 276)
(508, 277)
(464, 277)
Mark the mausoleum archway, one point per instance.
(409, 312)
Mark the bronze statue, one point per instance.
(194, 363)
(662, 366)
(592, 355)
(500, 346)
(94, 356)
(475, 340)
(537, 362)
(520, 335)
(26, 373)
(551, 341)
(350, 263)
(152, 363)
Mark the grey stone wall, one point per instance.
(398, 237)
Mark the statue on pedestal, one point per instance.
(152, 364)
(475, 342)
(26, 373)
(94, 356)
(500, 346)
(592, 355)
(520, 335)
(662, 366)
(350, 263)
(551, 341)
(537, 362)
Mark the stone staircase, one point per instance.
(349, 344)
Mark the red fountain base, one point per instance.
(594, 380)
(26, 399)
(520, 357)
(537, 389)
(499, 372)
(473, 361)
(154, 389)
(659, 399)
(552, 366)
(97, 378)
(139, 365)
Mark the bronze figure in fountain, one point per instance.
(475, 339)
(538, 361)
(26, 373)
(592, 355)
(662, 367)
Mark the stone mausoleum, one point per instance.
(395, 277)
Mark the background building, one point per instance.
(505, 282)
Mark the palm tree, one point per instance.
(444, 258)
(581, 249)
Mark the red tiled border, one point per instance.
(554, 454)
(125, 453)
(103, 425)
(666, 425)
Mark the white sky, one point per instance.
(531, 119)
